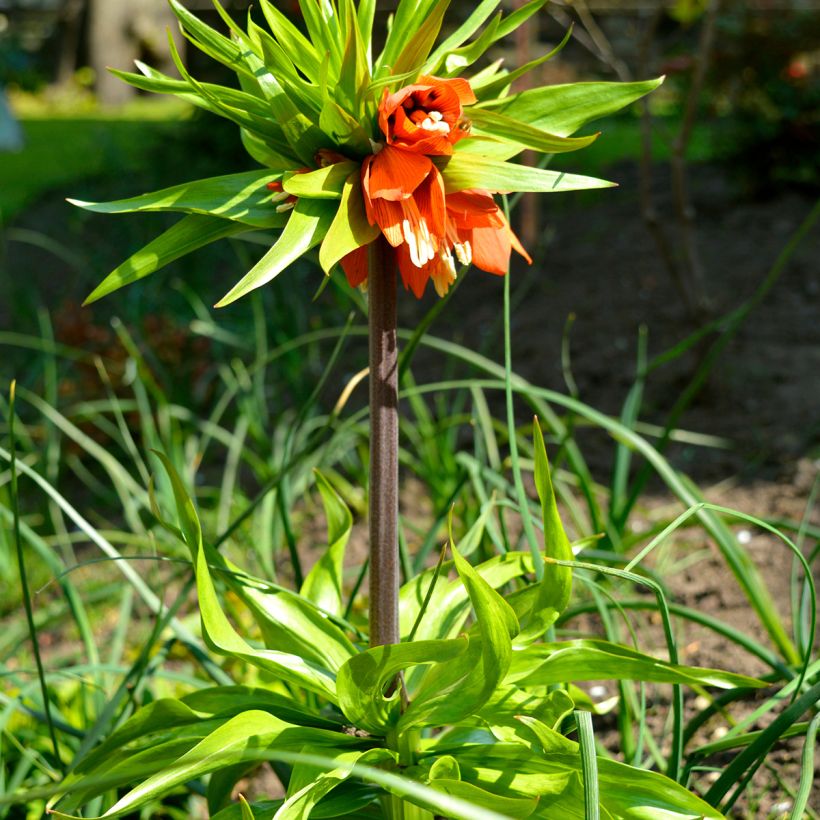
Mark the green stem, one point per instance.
(384, 447)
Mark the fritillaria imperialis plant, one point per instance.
(390, 165)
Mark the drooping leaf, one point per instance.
(239, 197)
(625, 792)
(191, 232)
(577, 660)
(306, 227)
(245, 737)
(513, 807)
(217, 630)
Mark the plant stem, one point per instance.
(384, 447)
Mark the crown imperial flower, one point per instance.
(356, 146)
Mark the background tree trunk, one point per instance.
(120, 33)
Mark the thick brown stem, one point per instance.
(384, 447)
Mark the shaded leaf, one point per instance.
(187, 235)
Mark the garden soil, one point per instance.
(597, 262)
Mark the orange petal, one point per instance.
(431, 203)
(355, 266)
(459, 85)
(491, 249)
(414, 278)
(394, 174)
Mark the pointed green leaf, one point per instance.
(565, 661)
(462, 171)
(247, 811)
(505, 128)
(323, 584)
(307, 226)
(466, 30)
(243, 738)
(325, 183)
(513, 807)
(217, 630)
(240, 197)
(292, 40)
(309, 783)
(625, 792)
(417, 48)
(492, 85)
(448, 693)
(563, 109)
(187, 235)
(350, 228)
(556, 583)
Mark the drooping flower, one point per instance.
(404, 192)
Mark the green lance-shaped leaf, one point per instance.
(513, 807)
(307, 226)
(310, 783)
(463, 33)
(561, 662)
(625, 792)
(556, 583)
(448, 607)
(243, 738)
(289, 622)
(247, 811)
(417, 48)
(563, 109)
(456, 60)
(466, 170)
(185, 236)
(450, 692)
(323, 584)
(354, 73)
(350, 229)
(262, 810)
(507, 129)
(217, 630)
(292, 40)
(324, 183)
(344, 131)
(361, 682)
(240, 197)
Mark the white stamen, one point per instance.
(436, 116)
(280, 196)
(285, 206)
(435, 124)
(464, 252)
(419, 241)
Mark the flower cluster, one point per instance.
(404, 192)
(406, 146)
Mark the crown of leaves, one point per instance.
(300, 93)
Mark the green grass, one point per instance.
(62, 149)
